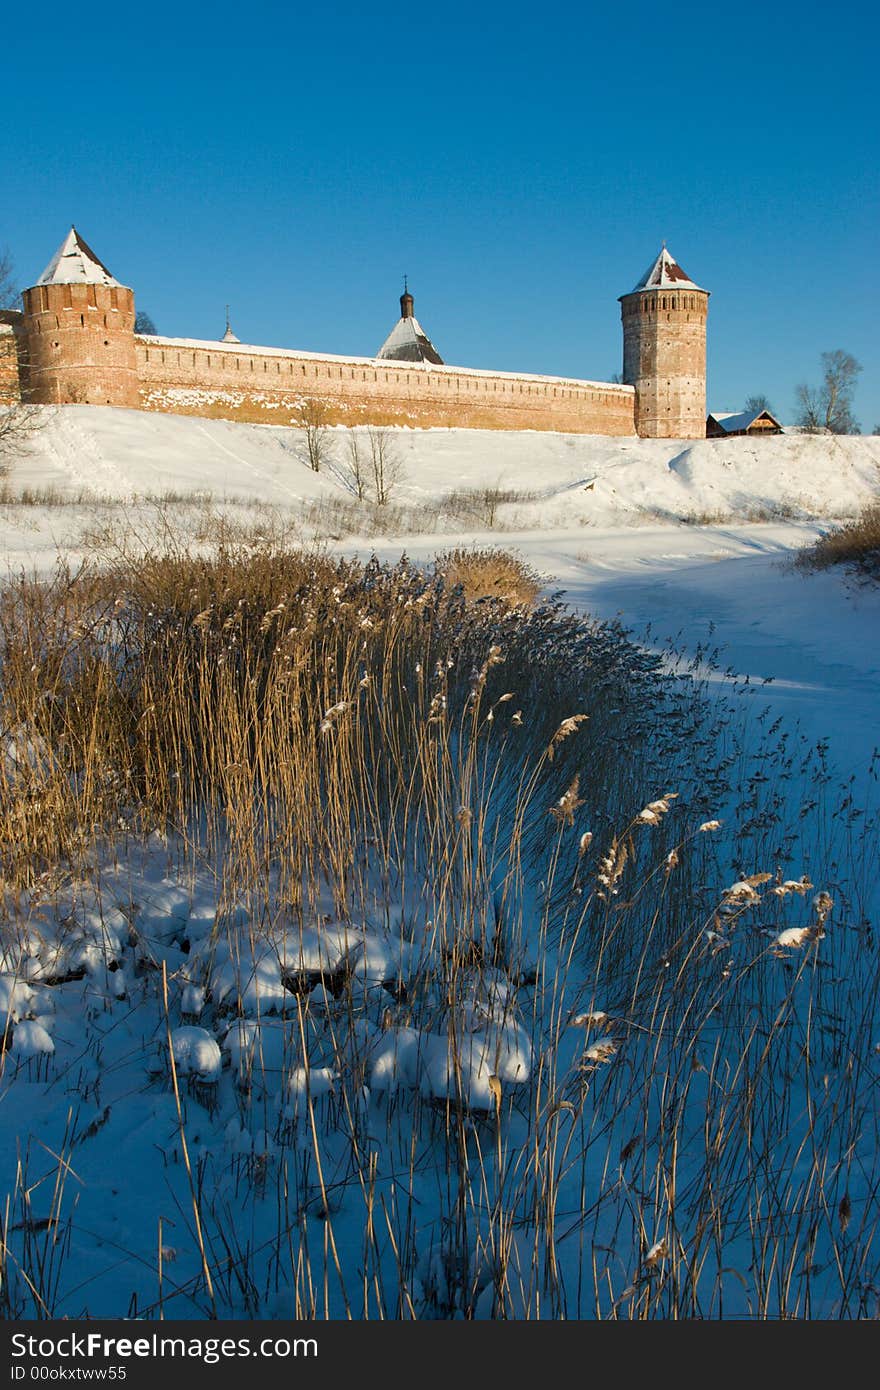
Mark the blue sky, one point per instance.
(521, 164)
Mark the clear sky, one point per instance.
(521, 163)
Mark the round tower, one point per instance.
(79, 332)
(664, 351)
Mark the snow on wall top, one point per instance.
(75, 263)
(408, 342)
(150, 340)
(665, 273)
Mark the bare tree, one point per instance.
(829, 407)
(18, 421)
(314, 423)
(357, 466)
(755, 404)
(144, 324)
(386, 464)
(8, 293)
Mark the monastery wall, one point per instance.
(75, 342)
(267, 386)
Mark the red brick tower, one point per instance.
(664, 351)
(79, 332)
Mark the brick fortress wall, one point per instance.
(268, 386)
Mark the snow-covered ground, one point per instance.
(688, 544)
(577, 479)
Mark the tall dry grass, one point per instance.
(529, 798)
(855, 545)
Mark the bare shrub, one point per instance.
(482, 503)
(490, 574)
(857, 545)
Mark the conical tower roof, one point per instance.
(665, 273)
(75, 263)
(408, 341)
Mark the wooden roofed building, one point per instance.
(722, 424)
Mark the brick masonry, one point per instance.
(79, 343)
(257, 384)
(10, 384)
(664, 358)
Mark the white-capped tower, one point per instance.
(664, 351)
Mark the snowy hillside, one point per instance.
(565, 480)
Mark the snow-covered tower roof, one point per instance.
(408, 341)
(75, 263)
(665, 273)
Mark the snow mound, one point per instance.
(31, 1039)
(15, 999)
(442, 1066)
(196, 1053)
